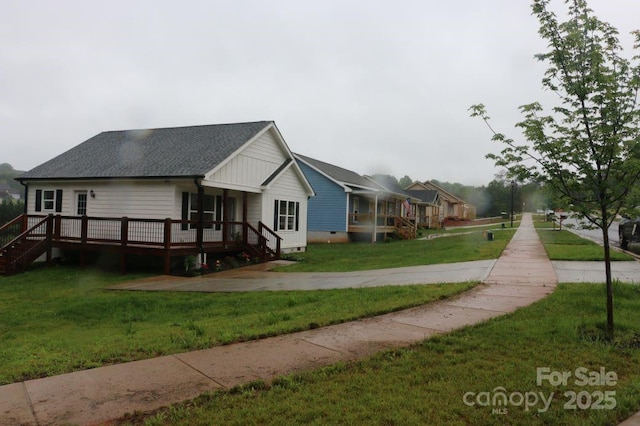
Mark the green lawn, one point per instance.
(427, 383)
(366, 256)
(57, 320)
(565, 245)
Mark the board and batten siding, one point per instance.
(254, 210)
(287, 187)
(327, 208)
(253, 165)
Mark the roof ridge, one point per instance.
(188, 127)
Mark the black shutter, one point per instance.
(297, 215)
(218, 211)
(275, 216)
(38, 200)
(185, 210)
(58, 200)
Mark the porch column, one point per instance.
(375, 220)
(245, 215)
(225, 215)
(200, 230)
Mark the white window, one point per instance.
(286, 215)
(208, 210)
(48, 200)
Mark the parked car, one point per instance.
(629, 231)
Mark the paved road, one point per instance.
(582, 228)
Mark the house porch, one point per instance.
(28, 237)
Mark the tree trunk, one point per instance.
(607, 269)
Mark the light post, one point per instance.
(513, 185)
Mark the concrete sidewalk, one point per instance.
(521, 276)
(259, 278)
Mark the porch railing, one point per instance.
(360, 219)
(149, 232)
(405, 226)
(163, 234)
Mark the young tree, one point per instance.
(588, 148)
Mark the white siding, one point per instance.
(152, 200)
(288, 187)
(253, 165)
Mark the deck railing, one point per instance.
(12, 229)
(148, 232)
(161, 233)
(367, 219)
(23, 235)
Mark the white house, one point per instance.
(215, 183)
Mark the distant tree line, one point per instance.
(9, 210)
(9, 207)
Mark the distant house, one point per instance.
(351, 207)
(173, 192)
(452, 207)
(428, 208)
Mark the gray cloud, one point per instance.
(375, 86)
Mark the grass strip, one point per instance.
(427, 383)
(58, 320)
(565, 245)
(395, 254)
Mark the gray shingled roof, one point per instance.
(344, 176)
(169, 152)
(426, 195)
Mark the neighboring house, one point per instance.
(452, 206)
(428, 208)
(348, 206)
(400, 205)
(175, 192)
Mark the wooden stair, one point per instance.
(405, 228)
(21, 251)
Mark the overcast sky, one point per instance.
(372, 86)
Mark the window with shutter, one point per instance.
(286, 215)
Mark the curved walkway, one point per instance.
(521, 276)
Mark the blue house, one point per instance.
(351, 207)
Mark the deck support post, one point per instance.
(167, 246)
(84, 228)
(124, 239)
(49, 233)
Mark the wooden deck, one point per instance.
(28, 237)
(382, 224)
